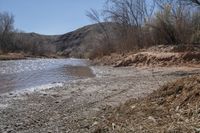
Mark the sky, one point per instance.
(50, 17)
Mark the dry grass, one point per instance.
(160, 59)
(155, 56)
(12, 56)
(172, 109)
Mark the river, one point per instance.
(17, 75)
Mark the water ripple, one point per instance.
(23, 74)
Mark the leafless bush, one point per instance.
(195, 22)
(175, 23)
(129, 18)
(167, 28)
(36, 45)
(13, 41)
(139, 25)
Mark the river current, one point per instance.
(18, 75)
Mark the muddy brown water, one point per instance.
(17, 75)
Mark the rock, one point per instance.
(197, 130)
(152, 119)
(113, 126)
(133, 107)
(95, 123)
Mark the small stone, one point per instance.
(152, 118)
(133, 107)
(95, 123)
(177, 108)
(113, 126)
(187, 121)
(197, 129)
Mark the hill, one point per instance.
(79, 43)
(44, 39)
(82, 42)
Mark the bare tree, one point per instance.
(6, 30)
(106, 42)
(95, 16)
(196, 2)
(128, 17)
(139, 25)
(131, 16)
(172, 22)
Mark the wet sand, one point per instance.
(75, 107)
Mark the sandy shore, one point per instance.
(74, 107)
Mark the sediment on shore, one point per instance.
(80, 105)
(156, 56)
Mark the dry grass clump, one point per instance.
(12, 56)
(172, 109)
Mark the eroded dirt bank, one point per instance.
(156, 56)
(77, 106)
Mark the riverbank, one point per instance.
(80, 104)
(22, 56)
(12, 56)
(156, 56)
(173, 108)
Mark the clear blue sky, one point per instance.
(50, 16)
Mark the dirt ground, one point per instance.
(174, 108)
(77, 106)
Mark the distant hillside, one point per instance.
(38, 38)
(81, 42)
